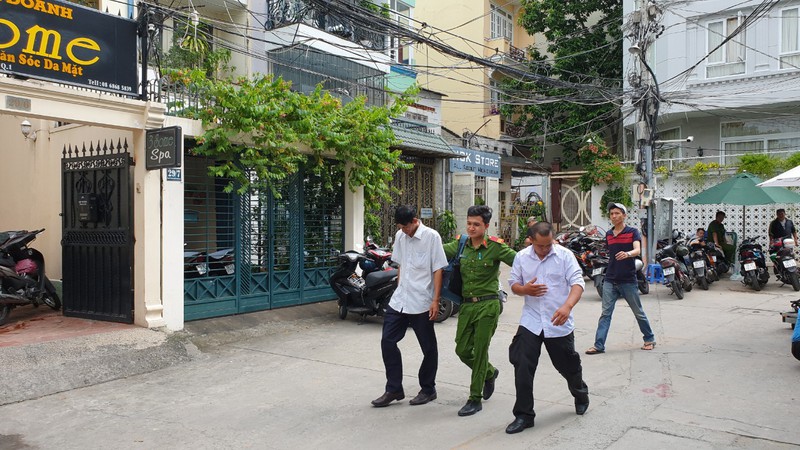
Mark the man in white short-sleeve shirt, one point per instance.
(549, 278)
(419, 252)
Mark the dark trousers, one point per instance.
(524, 355)
(796, 348)
(395, 325)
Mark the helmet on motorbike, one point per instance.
(638, 263)
(368, 265)
(788, 243)
(681, 250)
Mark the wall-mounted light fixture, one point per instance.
(25, 127)
(699, 151)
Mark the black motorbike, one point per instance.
(754, 265)
(717, 258)
(368, 294)
(781, 253)
(704, 273)
(674, 270)
(22, 276)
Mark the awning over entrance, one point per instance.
(421, 143)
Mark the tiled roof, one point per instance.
(421, 143)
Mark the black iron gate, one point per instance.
(97, 242)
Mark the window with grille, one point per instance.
(502, 24)
(730, 58)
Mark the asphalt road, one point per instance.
(721, 376)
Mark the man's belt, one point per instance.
(480, 299)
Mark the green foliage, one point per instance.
(261, 131)
(617, 194)
(791, 162)
(662, 170)
(383, 10)
(579, 50)
(446, 225)
(759, 164)
(479, 200)
(522, 232)
(372, 227)
(699, 171)
(602, 167)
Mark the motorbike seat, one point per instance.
(380, 277)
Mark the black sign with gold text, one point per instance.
(68, 43)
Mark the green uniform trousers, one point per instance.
(476, 325)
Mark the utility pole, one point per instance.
(644, 21)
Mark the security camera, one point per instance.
(690, 139)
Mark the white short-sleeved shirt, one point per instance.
(419, 257)
(559, 271)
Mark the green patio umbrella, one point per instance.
(743, 190)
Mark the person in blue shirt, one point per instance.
(796, 342)
(624, 245)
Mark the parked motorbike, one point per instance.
(781, 253)
(221, 263)
(22, 275)
(368, 294)
(754, 266)
(704, 272)
(599, 263)
(790, 317)
(675, 272)
(717, 258)
(194, 264)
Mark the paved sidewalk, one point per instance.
(720, 377)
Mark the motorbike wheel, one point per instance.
(644, 286)
(688, 283)
(795, 280)
(445, 310)
(343, 312)
(598, 283)
(703, 282)
(50, 296)
(677, 288)
(754, 283)
(4, 311)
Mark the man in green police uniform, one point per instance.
(480, 309)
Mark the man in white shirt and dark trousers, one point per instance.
(419, 252)
(549, 278)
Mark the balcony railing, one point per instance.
(281, 13)
(517, 54)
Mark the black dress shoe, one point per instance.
(488, 385)
(581, 408)
(423, 398)
(470, 408)
(519, 424)
(386, 398)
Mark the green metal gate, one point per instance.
(258, 251)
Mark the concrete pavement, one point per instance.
(721, 376)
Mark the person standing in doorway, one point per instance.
(480, 307)
(716, 234)
(415, 303)
(624, 244)
(782, 227)
(550, 279)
